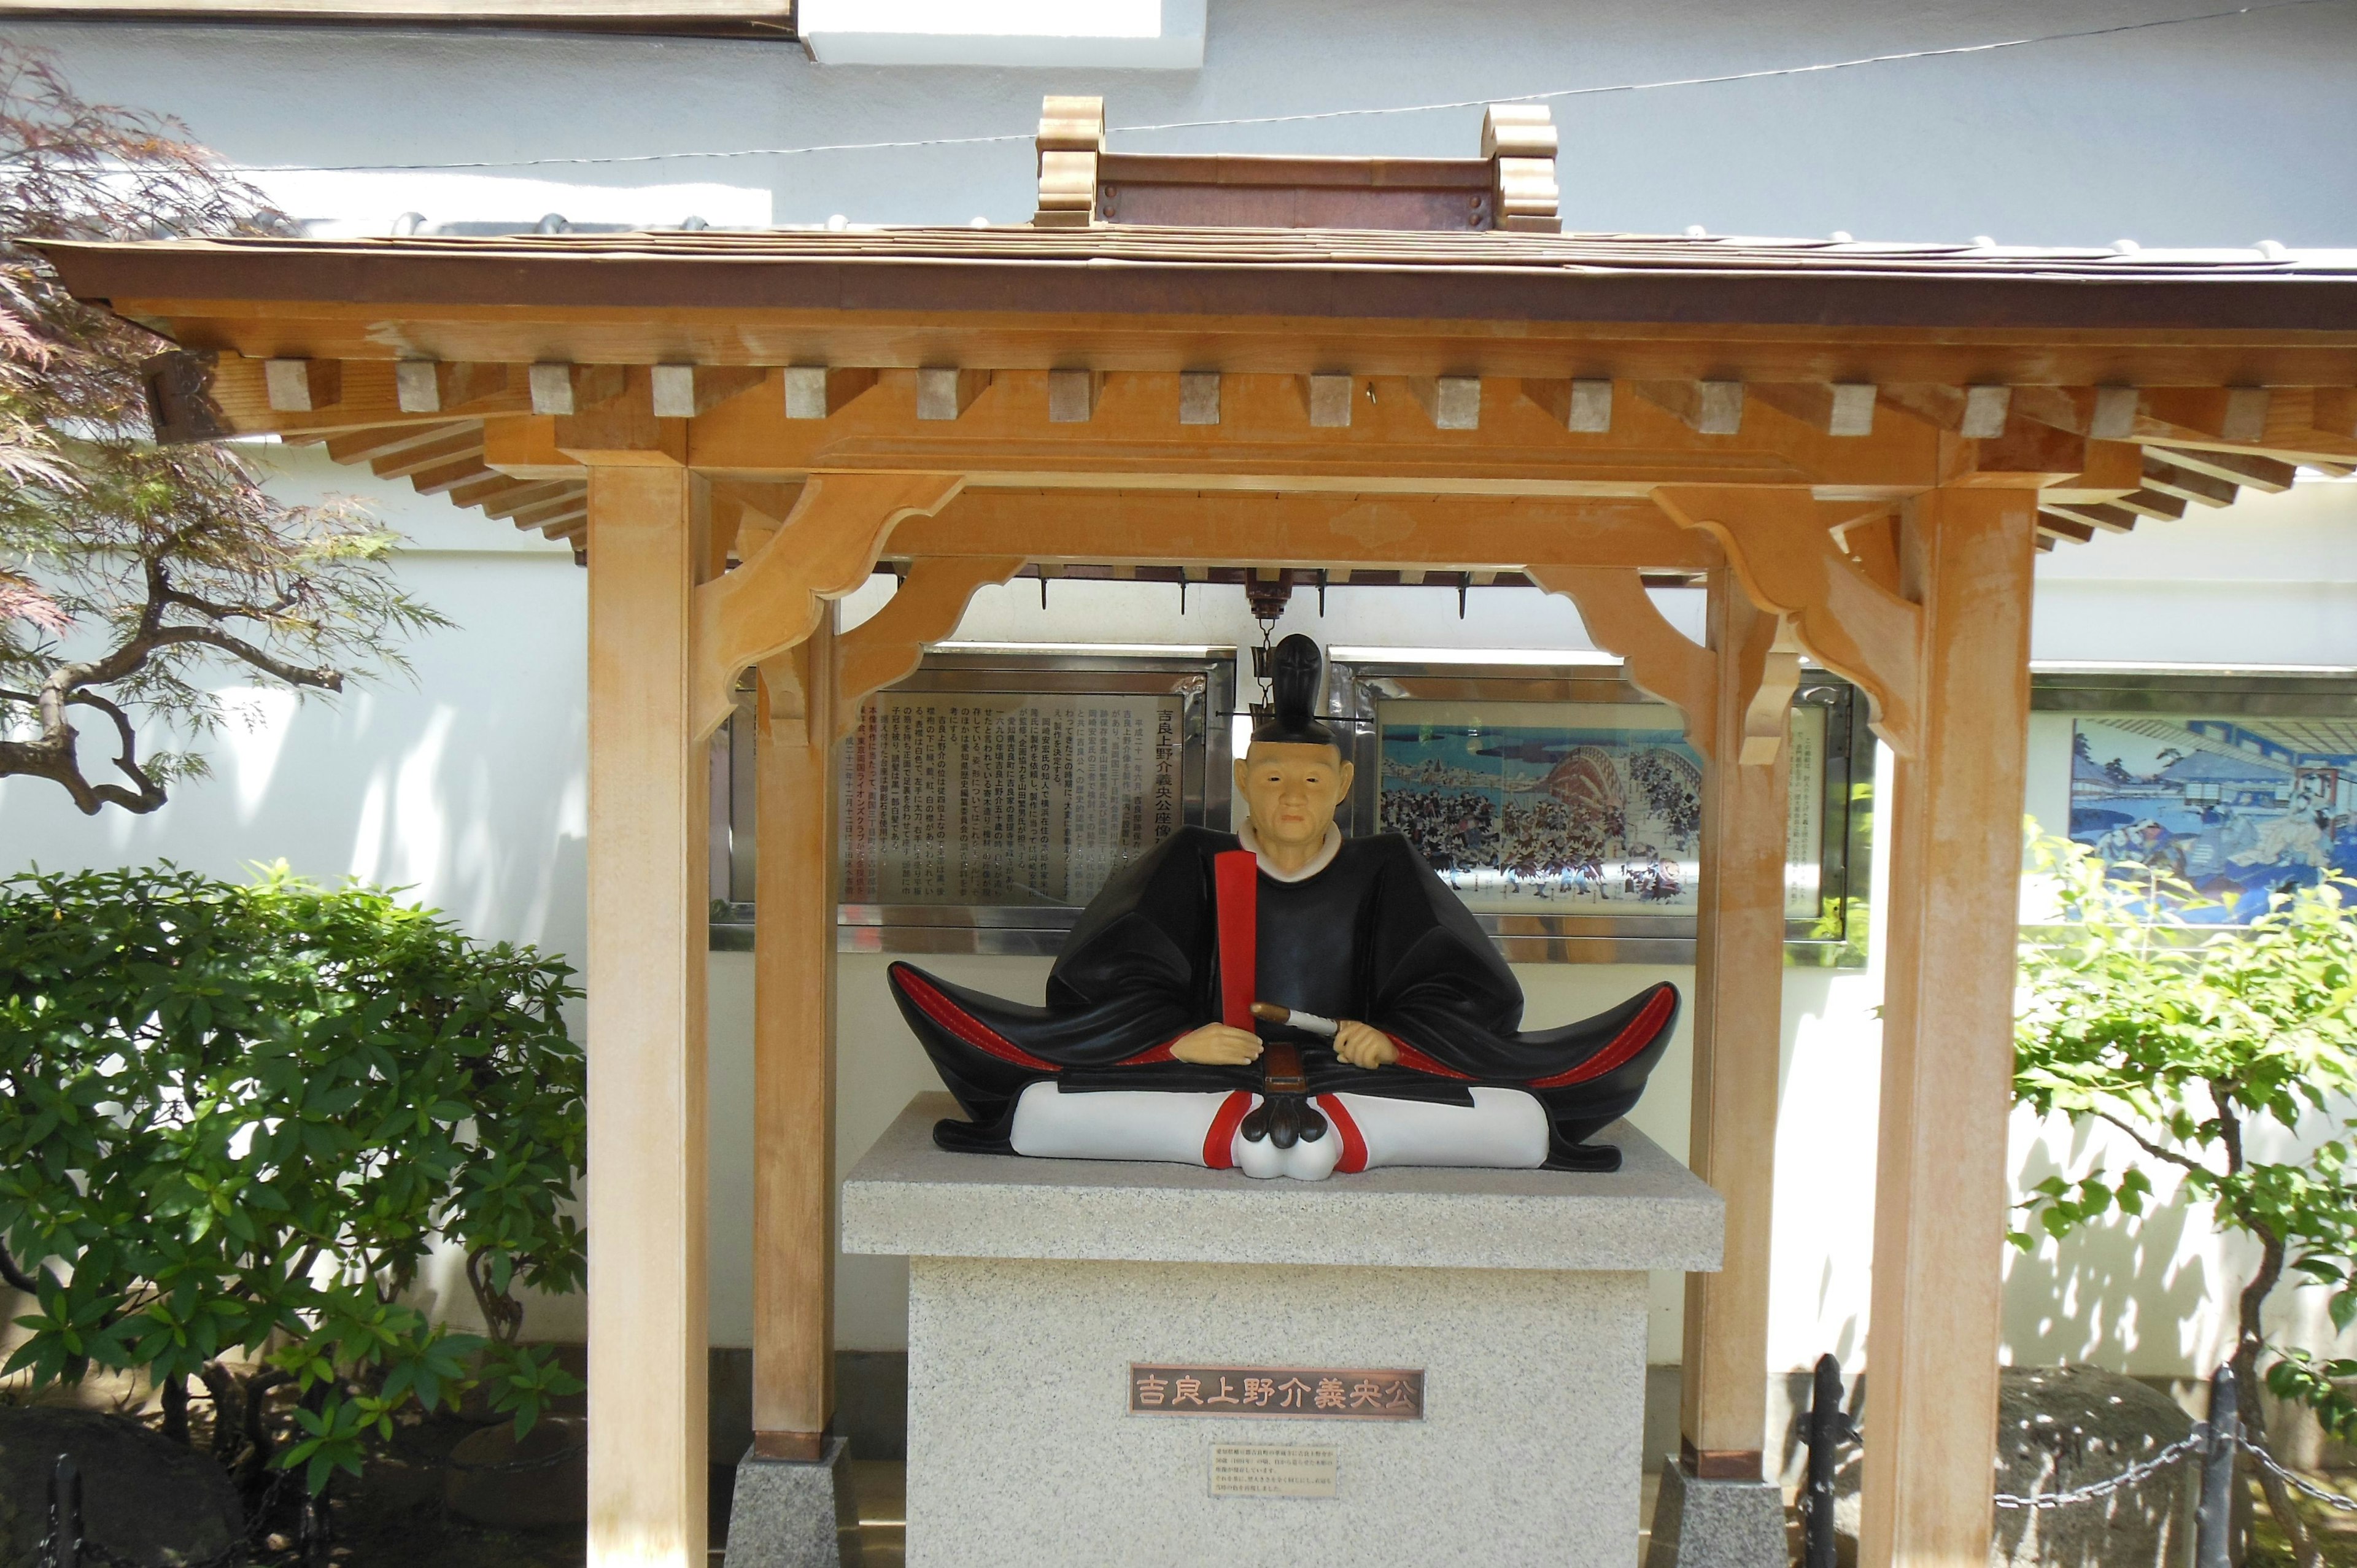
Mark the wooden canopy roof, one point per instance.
(1447, 342)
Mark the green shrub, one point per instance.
(235, 1118)
(2211, 1048)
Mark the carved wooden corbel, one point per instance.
(1665, 663)
(892, 642)
(1788, 561)
(829, 544)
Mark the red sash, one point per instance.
(1235, 879)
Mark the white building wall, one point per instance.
(468, 785)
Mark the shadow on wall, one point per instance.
(465, 786)
(2137, 1295)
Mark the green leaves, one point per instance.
(2192, 1040)
(2060, 1207)
(230, 1117)
(524, 1378)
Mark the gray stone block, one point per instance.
(787, 1514)
(1716, 1524)
(907, 1197)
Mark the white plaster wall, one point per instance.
(468, 786)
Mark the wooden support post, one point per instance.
(1736, 695)
(1947, 1035)
(793, 1051)
(648, 1372)
(1739, 1028)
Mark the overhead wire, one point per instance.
(1547, 96)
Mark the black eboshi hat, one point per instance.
(1295, 674)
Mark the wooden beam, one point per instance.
(1330, 399)
(2111, 519)
(1301, 530)
(945, 391)
(1451, 402)
(647, 936)
(1264, 442)
(512, 494)
(829, 544)
(682, 392)
(2152, 503)
(449, 476)
(1836, 408)
(1073, 395)
(1790, 562)
(466, 441)
(303, 386)
(2185, 484)
(1738, 1029)
(434, 386)
(2100, 414)
(1710, 408)
(1979, 412)
(2030, 455)
(923, 610)
(541, 513)
(796, 877)
(1941, 1193)
(817, 392)
(363, 445)
(1198, 397)
(2057, 525)
(2245, 468)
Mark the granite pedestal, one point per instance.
(1034, 1284)
(789, 1514)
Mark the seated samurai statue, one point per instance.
(1284, 1001)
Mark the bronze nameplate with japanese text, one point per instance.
(1293, 1393)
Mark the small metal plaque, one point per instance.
(1269, 1470)
(1285, 1394)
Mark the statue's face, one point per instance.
(1292, 791)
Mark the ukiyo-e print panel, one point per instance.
(1565, 806)
(1528, 807)
(2238, 806)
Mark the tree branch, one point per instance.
(2155, 1150)
(14, 1276)
(320, 676)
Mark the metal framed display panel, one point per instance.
(1564, 806)
(2243, 782)
(988, 796)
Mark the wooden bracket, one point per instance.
(1664, 663)
(925, 608)
(1788, 561)
(829, 544)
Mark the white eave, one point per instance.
(1126, 34)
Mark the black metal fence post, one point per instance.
(1824, 1431)
(2213, 1531)
(65, 1514)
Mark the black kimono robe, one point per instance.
(1374, 935)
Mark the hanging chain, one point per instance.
(2275, 1466)
(1265, 667)
(2190, 1443)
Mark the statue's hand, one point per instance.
(1217, 1045)
(1363, 1045)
